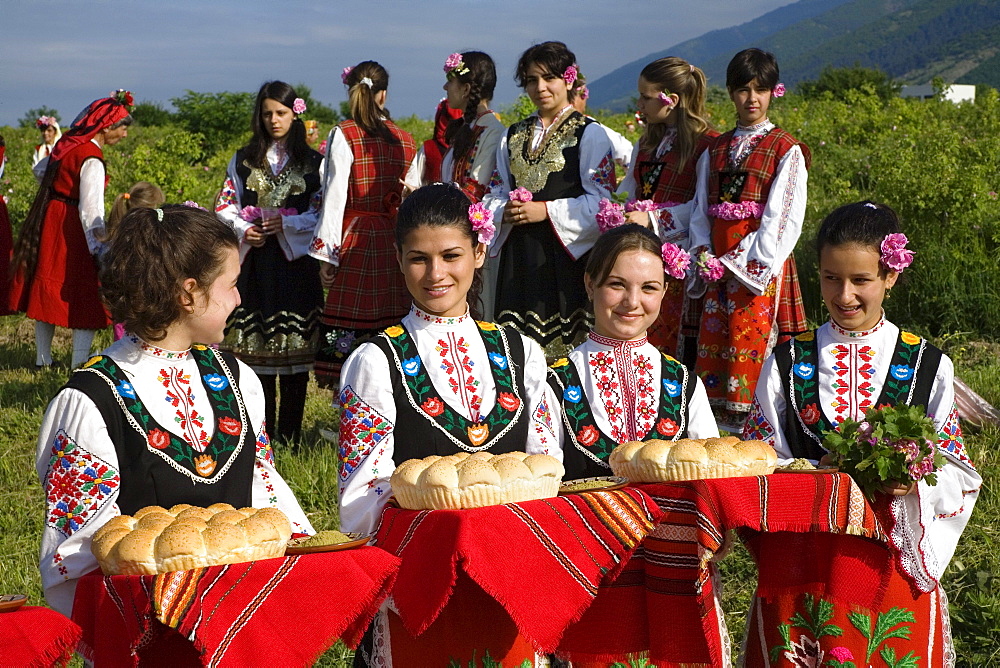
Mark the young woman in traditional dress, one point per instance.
(158, 418)
(616, 386)
(366, 160)
(563, 161)
(672, 100)
(856, 361)
(54, 265)
(272, 197)
(750, 204)
(49, 127)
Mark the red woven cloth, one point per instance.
(542, 561)
(672, 578)
(271, 612)
(35, 636)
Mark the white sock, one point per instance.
(43, 342)
(82, 338)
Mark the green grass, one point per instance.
(972, 581)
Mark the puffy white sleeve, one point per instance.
(930, 522)
(621, 148)
(269, 489)
(297, 229)
(228, 206)
(699, 224)
(329, 232)
(485, 160)
(761, 254)
(498, 195)
(701, 420)
(78, 467)
(629, 185)
(767, 410)
(367, 442)
(544, 432)
(574, 219)
(92, 203)
(415, 174)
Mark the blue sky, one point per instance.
(65, 54)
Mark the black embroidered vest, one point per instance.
(159, 468)
(909, 381)
(292, 187)
(426, 425)
(591, 447)
(553, 172)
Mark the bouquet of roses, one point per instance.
(891, 445)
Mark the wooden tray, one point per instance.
(613, 482)
(831, 469)
(11, 602)
(295, 547)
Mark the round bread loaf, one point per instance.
(473, 481)
(159, 542)
(692, 459)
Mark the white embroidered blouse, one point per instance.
(781, 219)
(79, 469)
(852, 370)
(621, 380)
(572, 219)
(454, 355)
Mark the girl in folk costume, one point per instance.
(856, 361)
(438, 383)
(158, 418)
(474, 137)
(49, 127)
(272, 197)
(662, 176)
(617, 387)
(553, 169)
(748, 213)
(426, 166)
(6, 239)
(367, 157)
(54, 263)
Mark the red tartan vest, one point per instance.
(379, 167)
(664, 180)
(760, 165)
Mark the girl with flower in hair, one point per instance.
(553, 169)
(272, 197)
(49, 127)
(158, 418)
(616, 386)
(748, 213)
(439, 382)
(661, 182)
(54, 267)
(815, 382)
(367, 156)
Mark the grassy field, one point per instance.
(972, 581)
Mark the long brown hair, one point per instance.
(677, 76)
(364, 110)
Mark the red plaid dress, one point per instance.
(368, 293)
(732, 348)
(664, 180)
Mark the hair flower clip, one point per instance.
(123, 97)
(779, 90)
(454, 65)
(45, 121)
(482, 222)
(193, 205)
(299, 105)
(569, 76)
(666, 100)
(344, 73)
(583, 93)
(895, 255)
(676, 260)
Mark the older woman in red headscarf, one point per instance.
(54, 268)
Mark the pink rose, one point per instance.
(666, 100)
(299, 105)
(346, 72)
(709, 267)
(250, 213)
(895, 256)
(779, 90)
(569, 76)
(520, 194)
(609, 215)
(482, 222)
(676, 260)
(454, 62)
(641, 205)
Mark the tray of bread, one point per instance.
(692, 459)
(157, 540)
(473, 481)
(326, 541)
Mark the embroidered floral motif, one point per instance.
(852, 383)
(757, 427)
(458, 365)
(78, 483)
(362, 428)
(604, 175)
(263, 449)
(950, 437)
(181, 397)
(329, 252)
(227, 197)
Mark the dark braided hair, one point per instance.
(482, 79)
